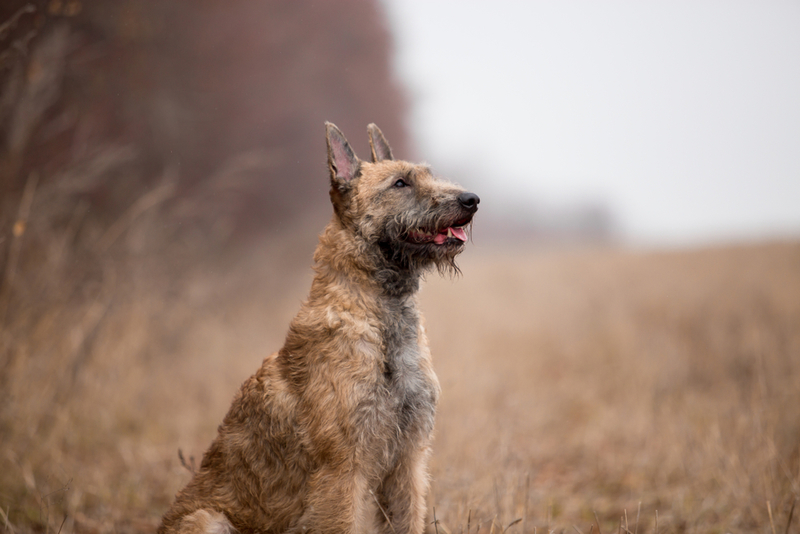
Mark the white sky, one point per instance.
(682, 116)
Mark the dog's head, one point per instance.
(400, 209)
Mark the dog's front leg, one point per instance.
(337, 503)
(402, 493)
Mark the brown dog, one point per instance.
(332, 434)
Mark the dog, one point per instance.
(332, 434)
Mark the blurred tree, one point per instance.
(226, 99)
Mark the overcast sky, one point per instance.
(682, 116)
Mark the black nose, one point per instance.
(469, 200)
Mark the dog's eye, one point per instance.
(400, 183)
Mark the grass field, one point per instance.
(582, 388)
(594, 381)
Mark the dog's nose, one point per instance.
(469, 200)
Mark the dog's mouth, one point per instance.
(454, 233)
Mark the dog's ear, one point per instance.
(342, 161)
(344, 167)
(378, 145)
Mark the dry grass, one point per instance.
(587, 381)
(574, 382)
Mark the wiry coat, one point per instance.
(332, 433)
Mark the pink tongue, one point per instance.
(458, 233)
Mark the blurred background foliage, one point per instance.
(224, 99)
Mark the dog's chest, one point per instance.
(412, 392)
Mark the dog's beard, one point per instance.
(420, 257)
(412, 249)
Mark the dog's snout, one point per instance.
(469, 201)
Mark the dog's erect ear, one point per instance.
(378, 145)
(342, 161)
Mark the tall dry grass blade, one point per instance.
(435, 521)
(638, 511)
(7, 523)
(469, 518)
(789, 521)
(74, 224)
(577, 529)
(514, 522)
(11, 23)
(525, 504)
(626, 519)
(498, 505)
(18, 230)
(597, 521)
(771, 522)
(656, 530)
(90, 325)
(151, 199)
(190, 465)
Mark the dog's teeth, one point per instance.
(449, 232)
(422, 232)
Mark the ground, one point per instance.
(582, 388)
